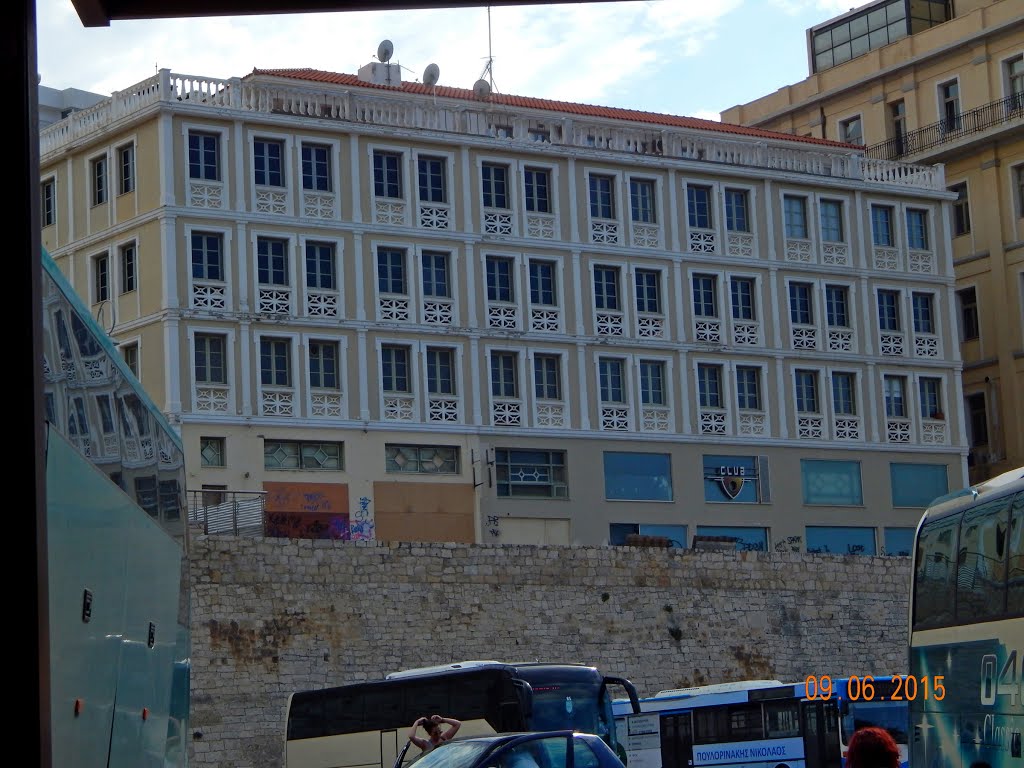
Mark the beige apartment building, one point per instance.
(404, 312)
(939, 82)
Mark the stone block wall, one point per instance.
(271, 616)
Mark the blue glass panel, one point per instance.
(750, 539)
(836, 483)
(731, 478)
(917, 485)
(638, 476)
(899, 541)
(676, 534)
(840, 540)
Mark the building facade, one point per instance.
(425, 313)
(939, 82)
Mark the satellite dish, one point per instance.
(481, 89)
(385, 50)
(430, 74)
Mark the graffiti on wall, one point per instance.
(307, 511)
(361, 528)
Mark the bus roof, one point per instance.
(1003, 484)
(477, 664)
(697, 690)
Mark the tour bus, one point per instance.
(967, 629)
(760, 723)
(365, 725)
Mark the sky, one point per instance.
(682, 57)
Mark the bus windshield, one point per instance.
(568, 705)
(890, 715)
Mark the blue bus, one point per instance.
(967, 629)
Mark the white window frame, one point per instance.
(626, 297)
(736, 242)
(517, 286)
(524, 378)
(395, 217)
(119, 245)
(229, 281)
(128, 141)
(458, 365)
(230, 340)
(94, 257)
(717, 212)
(536, 223)
(515, 194)
(664, 298)
(563, 371)
(291, 239)
(412, 277)
(339, 253)
(844, 123)
(638, 239)
(208, 193)
(818, 317)
(336, 179)
(619, 189)
(799, 250)
(560, 280)
(859, 411)
(417, 376)
(416, 256)
(449, 181)
(342, 342)
(728, 396)
(759, 304)
(287, 172)
(90, 160)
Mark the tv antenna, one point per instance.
(487, 76)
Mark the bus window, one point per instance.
(709, 726)
(342, 712)
(1015, 576)
(981, 563)
(933, 581)
(384, 706)
(782, 719)
(745, 723)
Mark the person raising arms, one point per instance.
(432, 725)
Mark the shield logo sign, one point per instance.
(732, 485)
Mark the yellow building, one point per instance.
(929, 81)
(404, 312)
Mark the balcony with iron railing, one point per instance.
(240, 513)
(951, 129)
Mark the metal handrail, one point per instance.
(949, 129)
(242, 513)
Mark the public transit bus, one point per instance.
(366, 725)
(751, 724)
(873, 701)
(967, 628)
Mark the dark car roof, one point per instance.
(497, 740)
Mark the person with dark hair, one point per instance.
(872, 748)
(432, 725)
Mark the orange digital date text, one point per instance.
(865, 688)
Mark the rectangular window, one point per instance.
(324, 368)
(211, 451)
(794, 211)
(709, 385)
(542, 283)
(949, 105)
(391, 271)
(652, 382)
(895, 389)
(840, 540)
(432, 176)
(745, 539)
(705, 296)
(641, 201)
(268, 162)
(530, 474)
(961, 210)
(851, 131)
(917, 485)
(210, 359)
(977, 419)
(440, 371)
(610, 379)
(320, 266)
(698, 206)
(606, 288)
(967, 298)
(422, 459)
(748, 388)
(1015, 82)
(495, 185)
(648, 291)
(737, 217)
(99, 181)
(831, 214)
(837, 306)
(130, 352)
(619, 534)
(203, 156)
(1018, 178)
(637, 476)
(292, 454)
(899, 542)
(275, 362)
(888, 310)
(924, 314)
(602, 197)
(100, 278)
(436, 281)
(207, 256)
(387, 174)
(537, 185)
(126, 169)
(128, 267)
(741, 291)
(499, 279)
(504, 382)
(844, 396)
(917, 229)
(881, 226)
(807, 392)
(832, 483)
(930, 396)
(935, 573)
(394, 368)
(898, 127)
(49, 202)
(547, 377)
(801, 309)
(316, 167)
(271, 261)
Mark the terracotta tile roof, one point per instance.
(586, 110)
